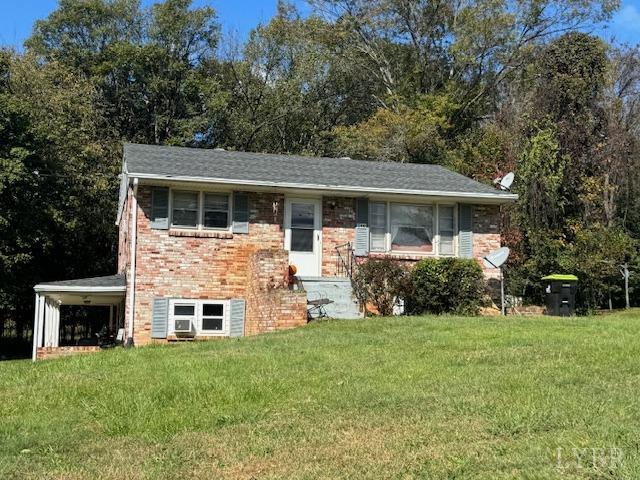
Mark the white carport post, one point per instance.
(36, 327)
(47, 322)
(38, 324)
(51, 323)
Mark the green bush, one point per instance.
(446, 285)
(380, 282)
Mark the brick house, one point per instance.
(206, 238)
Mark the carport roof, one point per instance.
(109, 283)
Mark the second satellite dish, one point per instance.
(504, 183)
(496, 258)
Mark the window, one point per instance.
(411, 228)
(212, 317)
(205, 317)
(378, 226)
(302, 225)
(446, 229)
(184, 310)
(199, 210)
(184, 318)
(216, 211)
(185, 209)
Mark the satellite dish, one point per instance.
(496, 258)
(505, 182)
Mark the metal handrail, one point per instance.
(344, 260)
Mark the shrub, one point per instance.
(446, 285)
(380, 282)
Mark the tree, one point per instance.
(145, 64)
(57, 182)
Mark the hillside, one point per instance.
(405, 397)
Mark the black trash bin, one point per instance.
(561, 294)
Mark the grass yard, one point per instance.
(429, 397)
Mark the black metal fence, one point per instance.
(15, 337)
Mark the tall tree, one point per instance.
(57, 181)
(146, 64)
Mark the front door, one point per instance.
(303, 235)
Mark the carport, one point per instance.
(108, 291)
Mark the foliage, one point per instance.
(57, 182)
(410, 134)
(541, 180)
(146, 64)
(447, 285)
(380, 282)
(595, 257)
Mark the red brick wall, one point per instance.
(270, 304)
(199, 267)
(486, 235)
(43, 353)
(338, 228)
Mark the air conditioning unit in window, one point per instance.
(183, 326)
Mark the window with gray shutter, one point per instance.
(361, 247)
(159, 317)
(160, 208)
(236, 317)
(240, 212)
(465, 234)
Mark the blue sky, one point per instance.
(17, 17)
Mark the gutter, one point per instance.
(76, 289)
(501, 197)
(122, 193)
(132, 264)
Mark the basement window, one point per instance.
(208, 317)
(212, 317)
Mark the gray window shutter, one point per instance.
(362, 212)
(240, 213)
(465, 235)
(236, 317)
(159, 317)
(361, 247)
(160, 208)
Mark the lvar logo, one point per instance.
(590, 458)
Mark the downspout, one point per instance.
(132, 263)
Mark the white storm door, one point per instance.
(303, 235)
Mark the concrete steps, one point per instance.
(337, 289)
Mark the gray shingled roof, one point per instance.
(92, 282)
(300, 171)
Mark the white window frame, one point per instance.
(198, 209)
(455, 230)
(200, 218)
(229, 200)
(386, 226)
(198, 314)
(436, 225)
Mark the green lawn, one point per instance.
(378, 398)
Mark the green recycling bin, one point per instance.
(560, 293)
